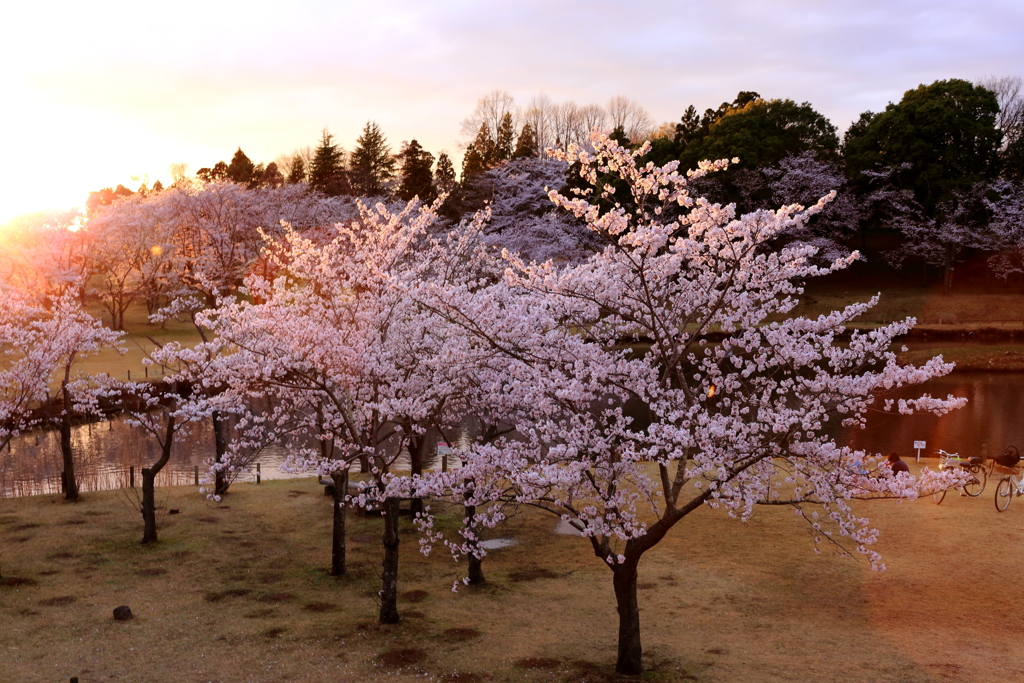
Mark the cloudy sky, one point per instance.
(101, 93)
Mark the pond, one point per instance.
(105, 451)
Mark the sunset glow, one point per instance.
(116, 94)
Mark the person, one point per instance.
(896, 464)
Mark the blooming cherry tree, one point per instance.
(689, 316)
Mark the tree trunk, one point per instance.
(476, 569)
(220, 445)
(71, 484)
(417, 451)
(149, 483)
(338, 528)
(389, 573)
(624, 581)
(148, 506)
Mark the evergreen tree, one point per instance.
(473, 163)
(241, 169)
(372, 165)
(526, 146)
(271, 176)
(504, 144)
(216, 174)
(298, 172)
(327, 171)
(417, 179)
(444, 175)
(157, 186)
(486, 147)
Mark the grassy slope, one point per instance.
(238, 592)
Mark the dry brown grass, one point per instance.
(238, 592)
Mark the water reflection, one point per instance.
(991, 420)
(104, 451)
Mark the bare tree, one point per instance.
(490, 110)
(631, 117)
(179, 172)
(1009, 92)
(540, 115)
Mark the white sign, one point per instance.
(920, 444)
(443, 448)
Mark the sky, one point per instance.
(101, 93)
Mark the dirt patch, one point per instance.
(717, 651)
(59, 601)
(260, 614)
(532, 575)
(274, 633)
(274, 598)
(296, 494)
(462, 678)
(25, 527)
(546, 663)
(462, 633)
(270, 578)
(208, 520)
(49, 572)
(17, 581)
(401, 657)
(646, 586)
(232, 593)
(152, 571)
(63, 556)
(415, 596)
(365, 538)
(75, 521)
(319, 607)
(413, 614)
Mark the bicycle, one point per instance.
(1012, 483)
(974, 465)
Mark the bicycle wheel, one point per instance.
(938, 497)
(976, 485)
(1004, 492)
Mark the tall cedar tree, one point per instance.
(298, 172)
(417, 178)
(505, 143)
(480, 155)
(327, 171)
(372, 165)
(444, 175)
(526, 146)
(242, 170)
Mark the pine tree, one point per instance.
(444, 175)
(371, 163)
(298, 172)
(503, 146)
(271, 176)
(241, 169)
(526, 146)
(485, 148)
(473, 163)
(417, 179)
(327, 171)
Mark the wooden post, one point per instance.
(197, 475)
(444, 463)
(257, 473)
(131, 476)
(145, 369)
(129, 375)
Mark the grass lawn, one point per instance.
(238, 592)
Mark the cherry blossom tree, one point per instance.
(730, 425)
(386, 376)
(41, 349)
